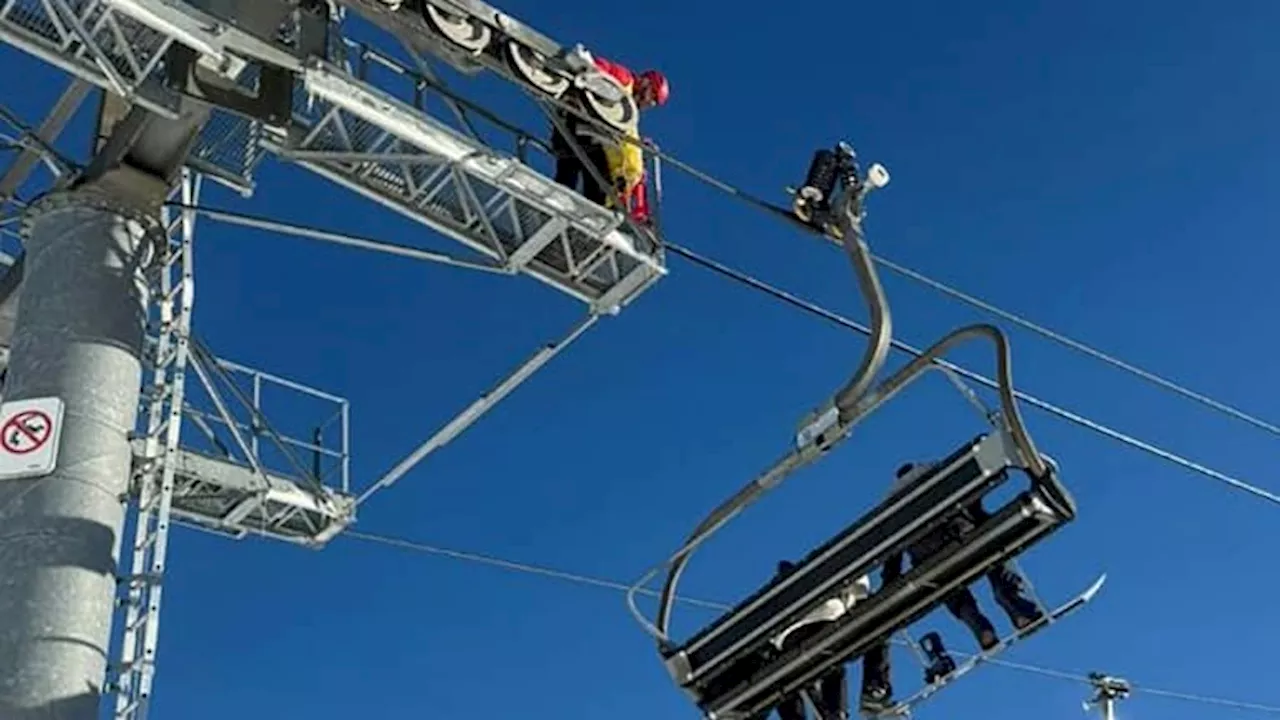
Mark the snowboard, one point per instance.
(903, 708)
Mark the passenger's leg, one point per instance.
(877, 691)
(1007, 588)
(833, 695)
(792, 706)
(960, 602)
(964, 607)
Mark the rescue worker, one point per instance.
(621, 162)
(626, 159)
(1006, 586)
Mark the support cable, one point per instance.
(773, 210)
(815, 309)
(547, 104)
(589, 580)
(1078, 346)
(818, 310)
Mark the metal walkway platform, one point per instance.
(229, 498)
(237, 474)
(382, 144)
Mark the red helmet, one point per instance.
(654, 85)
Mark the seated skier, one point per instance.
(831, 697)
(1006, 586)
(621, 162)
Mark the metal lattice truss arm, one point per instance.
(35, 143)
(119, 44)
(381, 144)
(337, 238)
(389, 151)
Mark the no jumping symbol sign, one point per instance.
(26, 432)
(29, 437)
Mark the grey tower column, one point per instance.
(78, 335)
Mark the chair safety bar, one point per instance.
(1027, 519)
(964, 477)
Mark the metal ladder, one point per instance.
(169, 328)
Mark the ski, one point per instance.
(904, 707)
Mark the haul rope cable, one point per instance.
(457, 103)
(1095, 426)
(580, 579)
(245, 219)
(1052, 335)
(454, 99)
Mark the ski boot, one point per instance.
(1006, 586)
(940, 662)
(876, 699)
(828, 169)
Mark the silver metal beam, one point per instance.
(347, 239)
(54, 123)
(475, 410)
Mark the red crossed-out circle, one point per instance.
(30, 426)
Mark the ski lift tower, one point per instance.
(96, 305)
(1106, 691)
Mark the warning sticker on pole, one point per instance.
(29, 435)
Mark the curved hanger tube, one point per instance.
(881, 321)
(795, 459)
(846, 398)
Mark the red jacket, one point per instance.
(618, 72)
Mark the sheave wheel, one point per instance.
(621, 114)
(466, 33)
(531, 65)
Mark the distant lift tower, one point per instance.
(1107, 690)
(96, 311)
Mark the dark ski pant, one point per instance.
(961, 603)
(570, 169)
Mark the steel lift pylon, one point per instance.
(207, 90)
(218, 476)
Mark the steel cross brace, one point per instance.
(477, 409)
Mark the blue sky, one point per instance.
(1105, 168)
